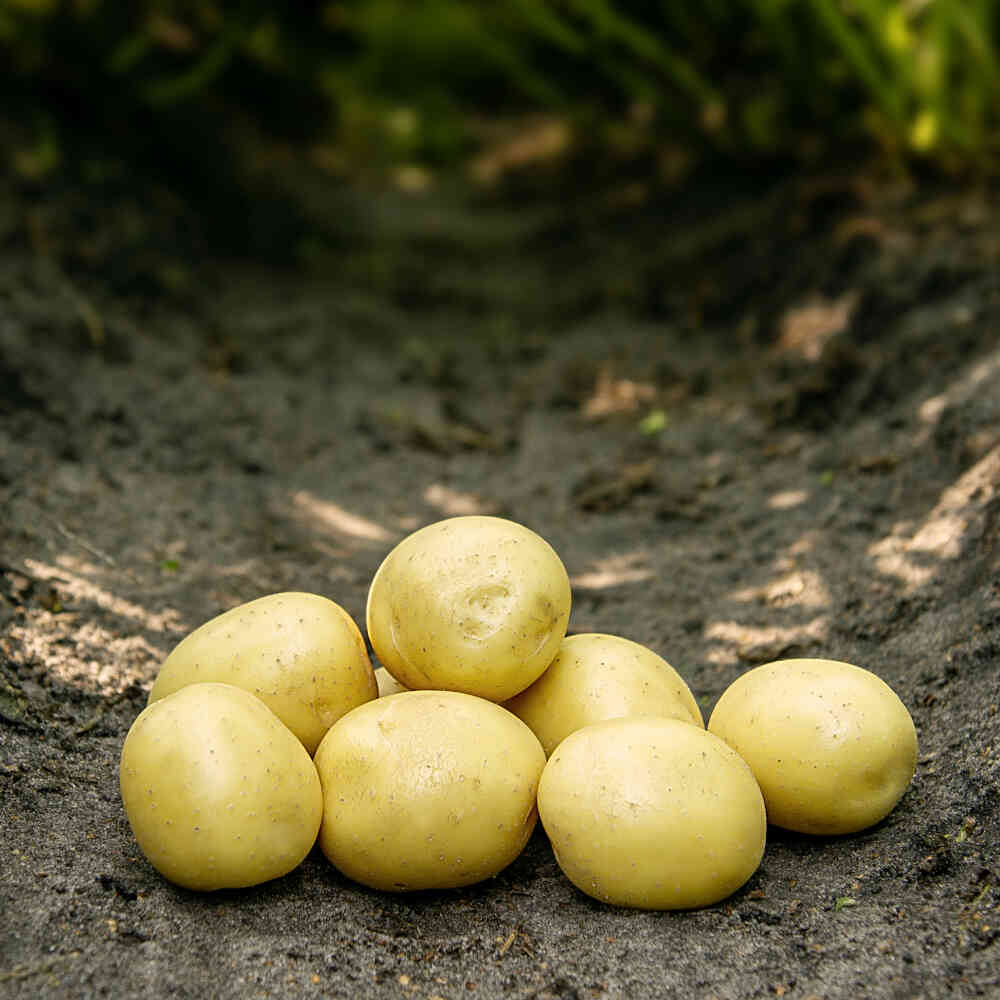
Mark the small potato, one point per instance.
(219, 793)
(472, 604)
(831, 745)
(652, 813)
(301, 654)
(387, 684)
(596, 677)
(427, 790)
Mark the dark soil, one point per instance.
(753, 425)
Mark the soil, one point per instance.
(756, 420)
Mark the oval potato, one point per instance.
(596, 677)
(427, 790)
(831, 744)
(301, 654)
(218, 792)
(472, 604)
(652, 813)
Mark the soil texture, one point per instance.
(754, 425)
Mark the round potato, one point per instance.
(301, 654)
(219, 793)
(652, 813)
(427, 790)
(471, 604)
(387, 684)
(596, 677)
(831, 745)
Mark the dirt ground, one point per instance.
(755, 423)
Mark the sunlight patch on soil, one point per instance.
(333, 518)
(804, 543)
(892, 558)
(787, 499)
(761, 643)
(613, 395)
(940, 536)
(615, 570)
(454, 503)
(930, 410)
(801, 588)
(82, 654)
(805, 329)
(76, 587)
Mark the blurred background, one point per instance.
(249, 114)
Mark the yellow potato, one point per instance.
(427, 790)
(219, 793)
(301, 654)
(472, 604)
(652, 813)
(596, 677)
(387, 684)
(831, 745)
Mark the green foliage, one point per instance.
(401, 79)
(655, 422)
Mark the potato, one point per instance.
(427, 790)
(301, 654)
(652, 813)
(387, 684)
(472, 604)
(832, 746)
(219, 793)
(596, 677)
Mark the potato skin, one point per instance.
(301, 654)
(472, 604)
(218, 792)
(595, 677)
(652, 813)
(831, 744)
(427, 790)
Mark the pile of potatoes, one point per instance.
(267, 729)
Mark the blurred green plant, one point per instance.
(397, 80)
(655, 422)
